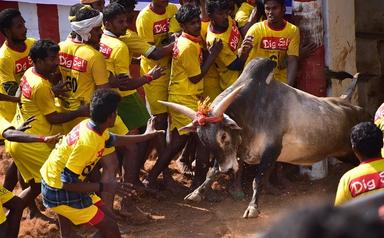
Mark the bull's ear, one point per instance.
(190, 128)
(231, 124)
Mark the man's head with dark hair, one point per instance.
(115, 19)
(129, 6)
(95, 4)
(45, 56)
(86, 13)
(104, 105)
(96, 32)
(366, 140)
(326, 221)
(112, 11)
(74, 10)
(275, 11)
(160, 4)
(188, 16)
(218, 13)
(12, 25)
(281, 2)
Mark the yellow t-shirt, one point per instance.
(116, 55)
(37, 99)
(275, 44)
(78, 151)
(153, 29)
(136, 45)
(83, 67)
(364, 179)
(379, 121)
(211, 78)
(243, 14)
(13, 64)
(186, 60)
(4, 125)
(5, 196)
(231, 39)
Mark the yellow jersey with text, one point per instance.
(231, 39)
(78, 151)
(38, 100)
(364, 179)
(211, 78)
(276, 45)
(379, 122)
(187, 58)
(154, 29)
(116, 55)
(82, 67)
(13, 64)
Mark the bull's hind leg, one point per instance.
(268, 159)
(198, 194)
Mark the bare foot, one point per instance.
(132, 214)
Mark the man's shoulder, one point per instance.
(145, 12)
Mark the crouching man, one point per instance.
(63, 174)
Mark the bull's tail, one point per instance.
(347, 95)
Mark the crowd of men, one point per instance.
(82, 88)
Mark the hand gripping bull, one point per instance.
(267, 121)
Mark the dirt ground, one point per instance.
(172, 217)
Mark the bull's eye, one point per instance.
(223, 137)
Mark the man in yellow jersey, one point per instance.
(9, 224)
(131, 108)
(368, 177)
(186, 87)
(37, 100)
(232, 57)
(278, 40)
(379, 121)
(95, 4)
(154, 23)
(83, 67)
(14, 59)
(250, 12)
(137, 46)
(63, 187)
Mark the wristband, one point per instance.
(42, 138)
(148, 77)
(101, 187)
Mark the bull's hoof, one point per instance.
(195, 196)
(251, 212)
(237, 194)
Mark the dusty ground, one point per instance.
(172, 217)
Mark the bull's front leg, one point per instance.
(235, 189)
(198, 194)
(268, 159)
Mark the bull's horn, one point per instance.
(269, 78)
(222, 106)
(180, 108)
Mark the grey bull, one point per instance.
(261, 121)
